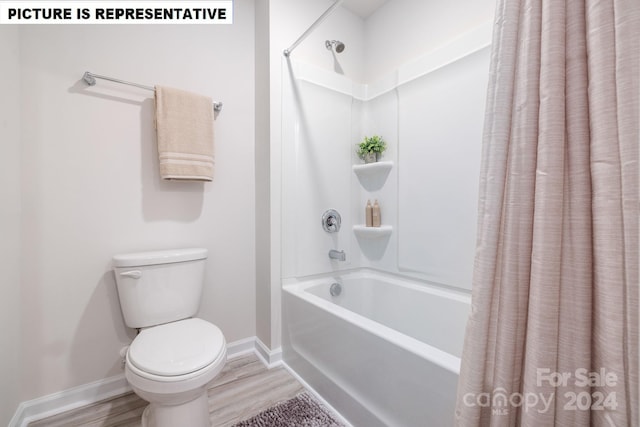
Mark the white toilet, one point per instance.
(175, 357)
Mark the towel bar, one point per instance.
(90, 79)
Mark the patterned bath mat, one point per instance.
(301, 411)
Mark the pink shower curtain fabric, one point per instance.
(552, 339)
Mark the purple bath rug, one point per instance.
(301, 411)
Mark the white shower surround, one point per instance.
(325, 114)
(388, 352)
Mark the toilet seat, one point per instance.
(176, 349)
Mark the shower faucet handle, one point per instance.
(331, 221)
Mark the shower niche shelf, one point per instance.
(364, 232)
(372, 176)
(373, 169)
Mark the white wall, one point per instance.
(10, 326)
(292, 17)
(402, 30)
(263, 214)
(91, 186)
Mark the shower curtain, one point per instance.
(552, 339)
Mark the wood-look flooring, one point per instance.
(244, 388)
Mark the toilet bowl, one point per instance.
(175, 357)
(171, 366)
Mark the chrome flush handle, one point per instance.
(134, 274)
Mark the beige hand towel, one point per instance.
(184, 124)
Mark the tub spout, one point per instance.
(339, 255)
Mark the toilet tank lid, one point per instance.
(159, 257)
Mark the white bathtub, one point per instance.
(385, 352)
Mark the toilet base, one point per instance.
(193, 414)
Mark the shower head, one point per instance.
(336, 44)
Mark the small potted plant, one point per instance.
(371, 148)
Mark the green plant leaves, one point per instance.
(374, 144)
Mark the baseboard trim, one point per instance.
(66, 400)
(271, 358)
(241, 347)
(86, 394)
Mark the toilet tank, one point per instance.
(159, 287)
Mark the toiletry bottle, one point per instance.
(375, 214)
(368, 214)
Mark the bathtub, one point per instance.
(385, 352)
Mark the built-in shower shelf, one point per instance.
(365, 232)
(372, 169)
